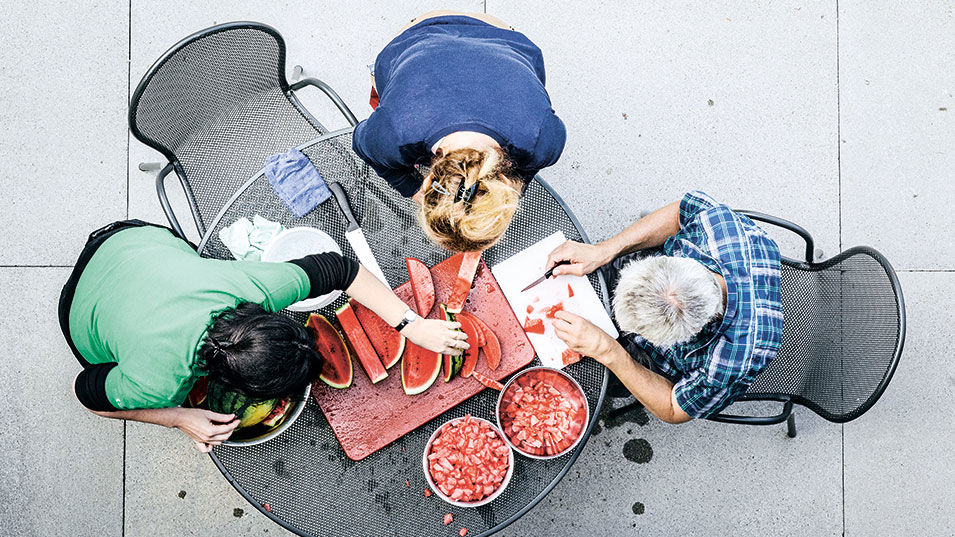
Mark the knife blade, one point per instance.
(354, 235)
(548, 274)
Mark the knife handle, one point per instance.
(550, 271)
(344, 205)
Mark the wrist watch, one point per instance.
(409, 317)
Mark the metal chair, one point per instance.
(842, 336)
(216, 105)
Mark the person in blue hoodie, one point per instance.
(462, 97)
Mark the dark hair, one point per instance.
(258, 353)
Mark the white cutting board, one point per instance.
(517, 271)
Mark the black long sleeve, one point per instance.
(90, 387)
(327, 272)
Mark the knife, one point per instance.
(546, 275)
(354, 234)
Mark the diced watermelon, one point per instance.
(551, 312)
(570, 291)
(538, 418)
(570, 356)
(427, 493)
(422, 285)
(388, 343)
(534, 325)
(462, 286)
(448, 518)
(462, 532)
(360, 343)
(468, 460)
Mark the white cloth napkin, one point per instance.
(246, 240)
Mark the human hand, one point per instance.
(582, 259)
(584, 336)
(436, 335)
(204, 427)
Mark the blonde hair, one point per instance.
(460, 226)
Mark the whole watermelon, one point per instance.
(249, 411)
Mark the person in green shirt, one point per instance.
(146, 316)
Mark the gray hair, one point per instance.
(667, 300)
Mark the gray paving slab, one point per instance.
(699, 478)
(898, 130)
(334, 45)
(62, 472)
(899, 476)
(63, 96)
(736, 99)
(173, 489)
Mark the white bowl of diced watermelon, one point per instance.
(542, 412)
(467, 462)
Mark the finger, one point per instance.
(221, 436)
(574, 269)
(224, 428)
(452, 325)
(460, 336)
(460, 344)
(567, 317)
(203, 447)
(557, 255)
(222, 418)
(212, 442)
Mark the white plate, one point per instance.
(298, 242)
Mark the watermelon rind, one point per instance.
(413, 353)
(324, 329)
(249, 411)
(278, 413)
(452, 362)
(462, 285)
(471, 354)
(361, 344)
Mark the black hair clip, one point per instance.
(466, 194)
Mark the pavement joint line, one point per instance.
(36, 266)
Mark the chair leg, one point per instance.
(791, 425)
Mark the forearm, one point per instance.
(650, 231)
(371, 293)
(652, 390)
(167, 417)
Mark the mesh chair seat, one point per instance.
(217, 104)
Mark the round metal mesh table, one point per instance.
(311, 487)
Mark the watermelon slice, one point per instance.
(336, 360)
(419, 369)
(534, 325)
(421, 284)
(360, 343)
(462, 286)
(489, 342)
(488, 382)
(452, 362)
(471, 354)
(388, 343)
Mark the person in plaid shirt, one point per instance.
(700, 317)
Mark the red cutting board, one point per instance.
(367, 417)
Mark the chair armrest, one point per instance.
(167, 207)
(342, 107)
(755, 420)
(785, 224)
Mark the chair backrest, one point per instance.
(218, 103)
(842, 336)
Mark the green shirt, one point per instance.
(145, 301)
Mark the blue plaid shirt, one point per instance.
(718, 364)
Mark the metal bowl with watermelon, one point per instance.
(542, 412)
(260, 420)
(467, 463)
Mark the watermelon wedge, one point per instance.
(388, 343)
(490, 344)
(360, 343)
(462, 286)
(421, 284)
(471, 354)
(336, 360)
(278, 413)
(419, 369)
(488, 382)
(534, 325)
(452, 362)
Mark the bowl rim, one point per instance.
(434, 488)
(583, 394)
(309, 304)
(278, 430)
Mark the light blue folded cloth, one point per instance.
(247, 240)
(296, 181)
